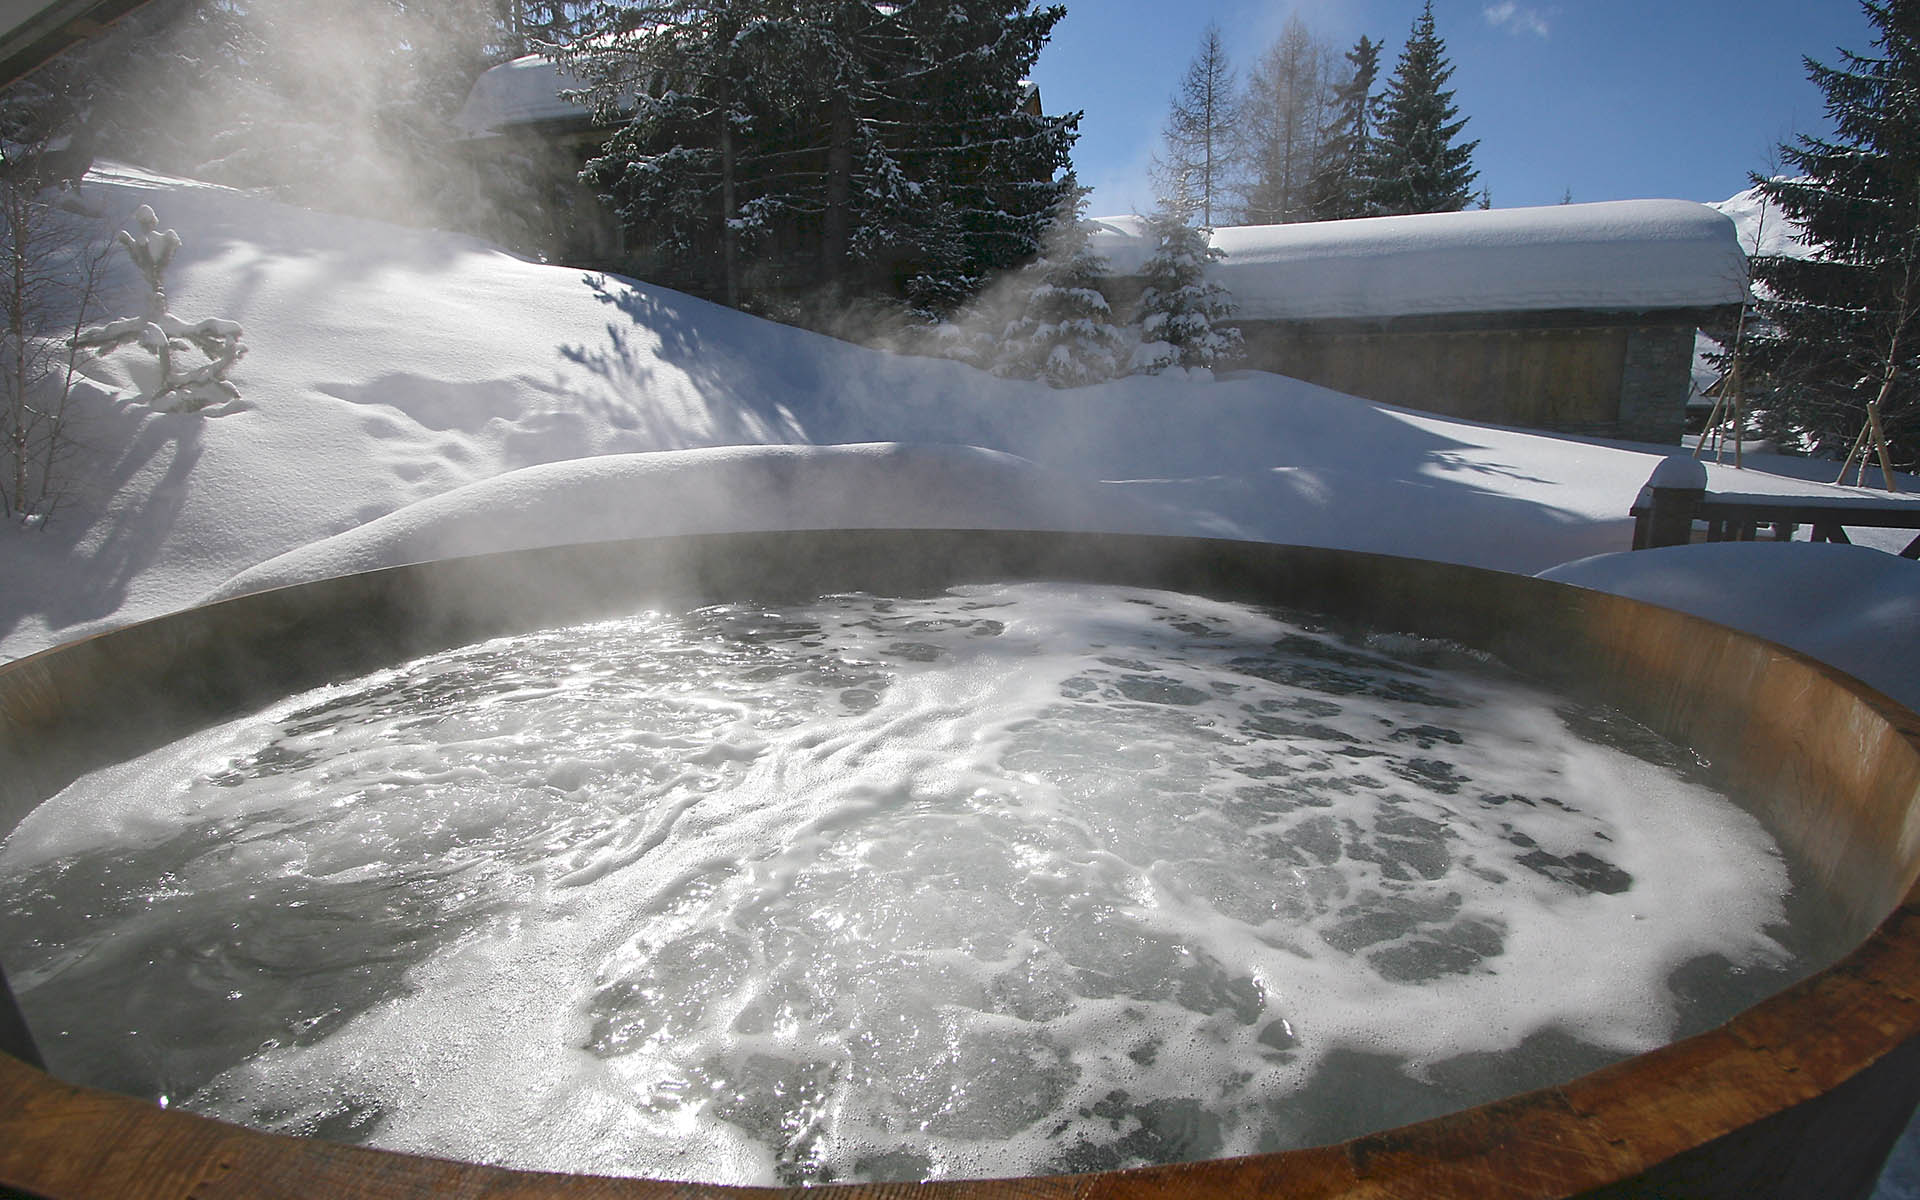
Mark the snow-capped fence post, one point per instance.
(159, 332)
(1664, 511)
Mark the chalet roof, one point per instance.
(1620, 256)
(524, 91)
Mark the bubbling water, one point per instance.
(1023, 878)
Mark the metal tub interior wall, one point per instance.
(1800, 1096)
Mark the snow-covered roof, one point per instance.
(1624, 255)
(520, 92)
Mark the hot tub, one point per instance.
(1800, 1095)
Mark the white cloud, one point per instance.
(1516, 18)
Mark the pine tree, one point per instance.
(1064, 332)
(1838, 340)
(1199, 152)
(1341, 186)
(661, 75)
(1416, 165)
(988, 174)
(840, 143)
(1180, 311)
(1289, 95)
(528, 25)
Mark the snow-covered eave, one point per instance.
(1620, 257)
(523, 94)
(579, 126)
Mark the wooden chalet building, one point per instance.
(1575, 318)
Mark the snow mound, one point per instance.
(1848, 606)
(719, 490)
(1622, 255)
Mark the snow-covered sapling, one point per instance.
(162, 334)
(1064, 331)
(1180, 310)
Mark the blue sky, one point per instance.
(1608, 99)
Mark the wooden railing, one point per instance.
(1676, 498)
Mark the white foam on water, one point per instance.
(1024, 878)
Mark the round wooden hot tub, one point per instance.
(1799, 1096)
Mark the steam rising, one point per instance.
(341, 105)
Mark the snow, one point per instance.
(1761, 227)
(521, 92)
(1623, 255)
(1848, 606)
(411, 394)
(1679, 471)
(718, 490)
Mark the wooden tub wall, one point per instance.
(1799, 1096)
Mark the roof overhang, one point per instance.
(33, 31)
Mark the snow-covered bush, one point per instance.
(1180, 311)
(1064, 331)
(161, 334)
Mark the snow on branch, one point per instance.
(161, 334)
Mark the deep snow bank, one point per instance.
(392, 367)
(721, 490)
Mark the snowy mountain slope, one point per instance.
(390, 367)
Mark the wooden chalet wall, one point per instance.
(1603, 374)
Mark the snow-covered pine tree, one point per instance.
(684, 166)
(1342, 184)
(1064, 332)
(1288, 97)
(1180, 310)
(1416, 165)
(528, 25)
(863, 144)
(994, 166)
(1838, 338)
(1198, 154)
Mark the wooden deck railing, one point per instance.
(1676, 498)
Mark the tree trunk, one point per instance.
(837, 223)
(729, 207)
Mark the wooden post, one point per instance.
(1668, 502)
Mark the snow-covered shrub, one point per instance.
(162, 334)
(1180, 311)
